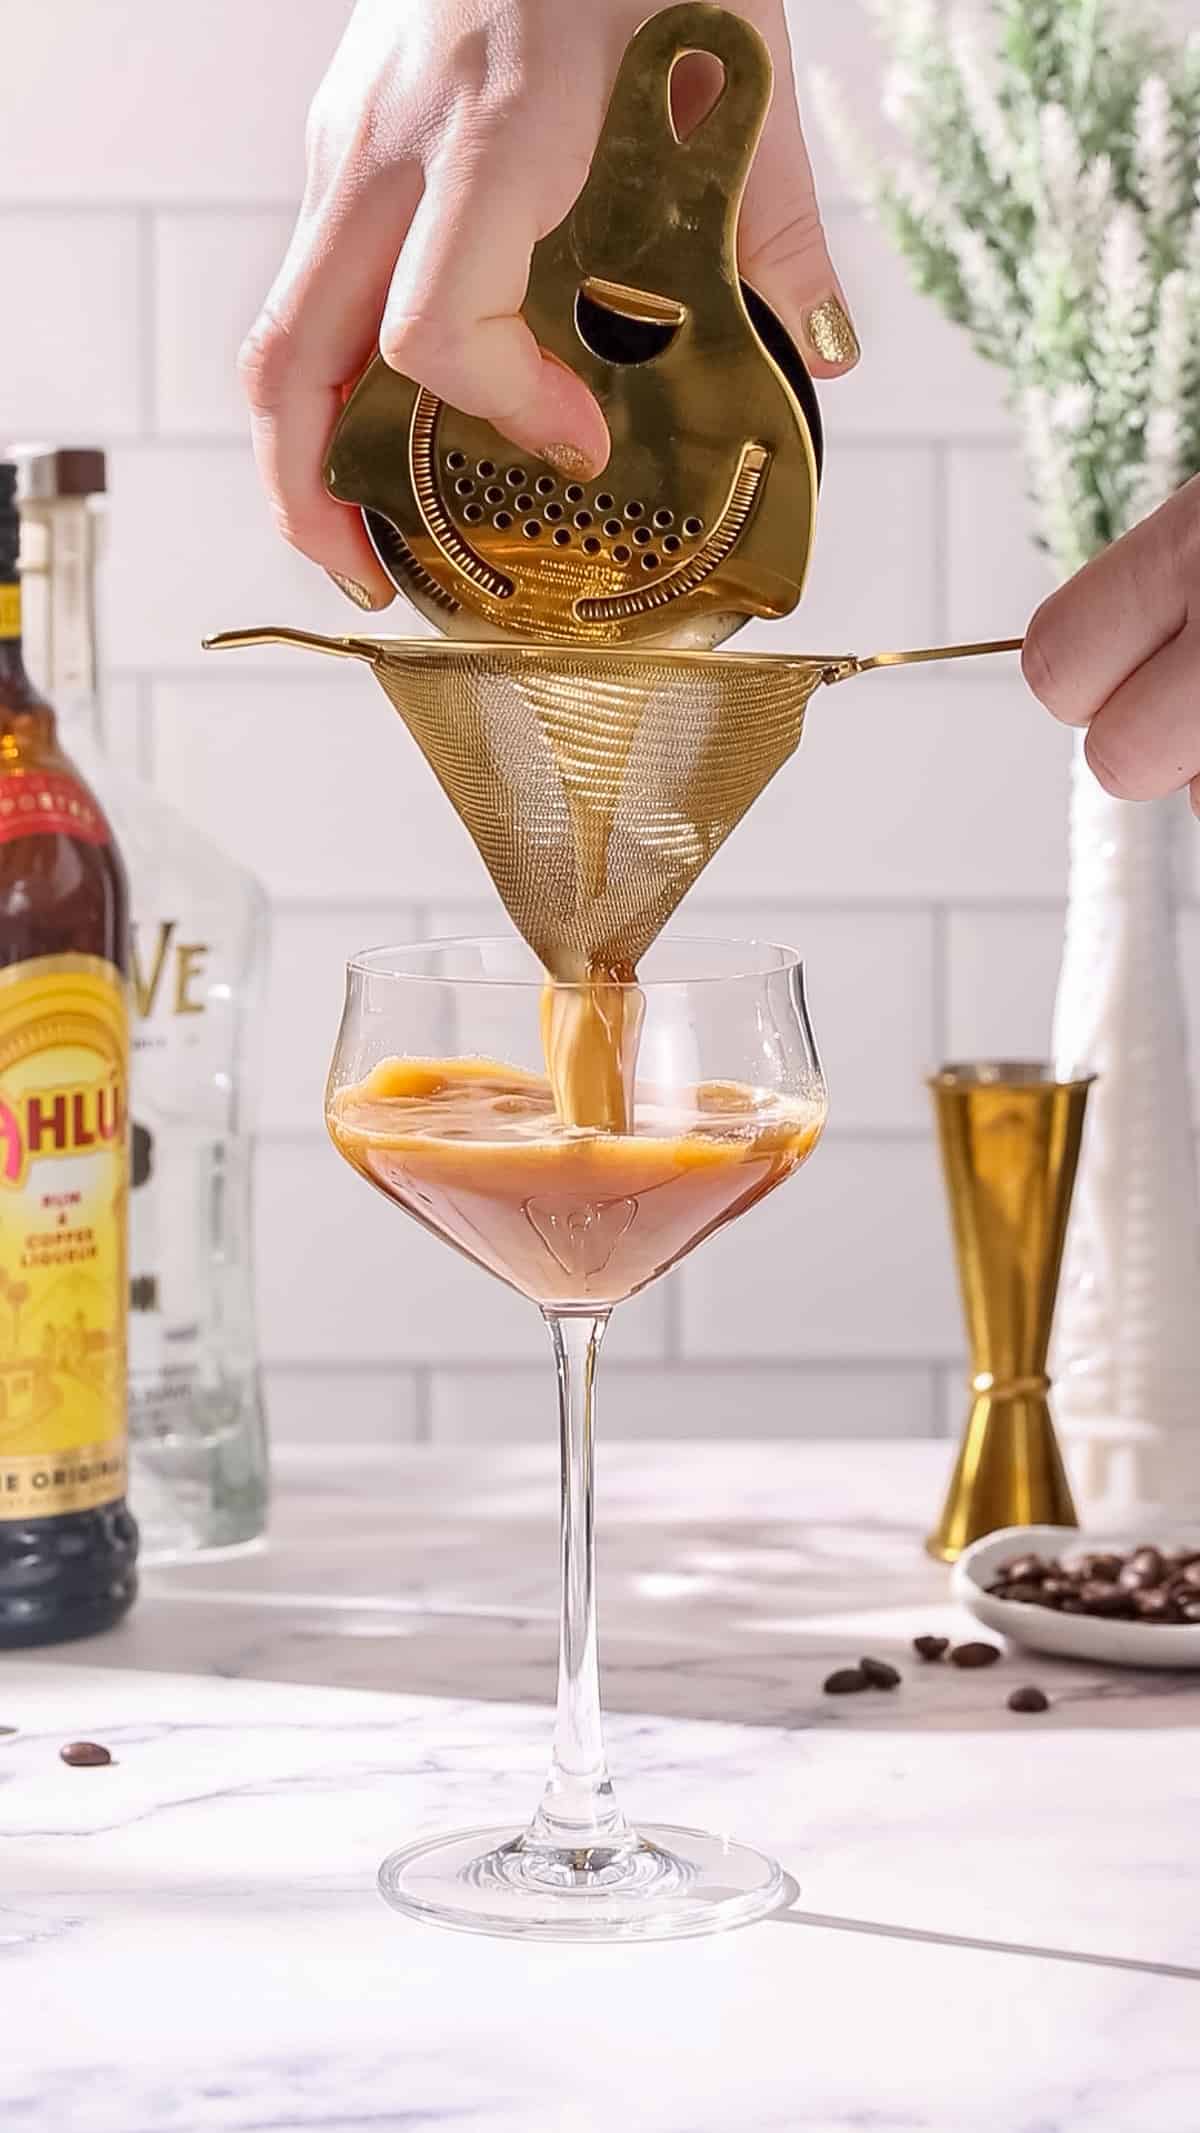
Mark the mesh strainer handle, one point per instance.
(845, 666)
(338, 647)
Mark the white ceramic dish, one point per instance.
(1040, 1629)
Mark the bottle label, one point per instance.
(10, 612)
(37, 802)
(64, 1063)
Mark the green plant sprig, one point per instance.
(1045, 192)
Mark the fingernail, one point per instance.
(567, 459)
(831, 334)
(370, 602)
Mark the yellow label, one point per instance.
(64, 1064)
(10, 611)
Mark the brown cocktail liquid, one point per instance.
(590, 1037)
(477, 1152)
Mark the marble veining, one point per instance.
(998, 1924)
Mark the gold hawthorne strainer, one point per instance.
(704, 514)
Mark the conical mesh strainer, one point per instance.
(596, 787)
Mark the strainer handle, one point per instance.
(720, 149)
(843, 668)
(309, 640)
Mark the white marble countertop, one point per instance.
(998, 1926)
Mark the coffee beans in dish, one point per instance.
(1146, 1584)
(85, 1754)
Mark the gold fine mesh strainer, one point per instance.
(596, 785)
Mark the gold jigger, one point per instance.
(1010, 1138)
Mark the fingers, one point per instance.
(315, 333)
(1090, 637)
(452, 318)
(783, 249)
(1144, 741)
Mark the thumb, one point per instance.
(783, 252)
(452, 319)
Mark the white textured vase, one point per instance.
(1127, 1340)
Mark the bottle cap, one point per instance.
(47, 473)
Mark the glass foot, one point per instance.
(663, 1884)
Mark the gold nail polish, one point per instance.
(356, 592)
(831, 334)
(567, 459)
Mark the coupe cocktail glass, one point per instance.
(437, 1096)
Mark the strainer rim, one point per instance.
(521, 651)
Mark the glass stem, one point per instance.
(578, 1810)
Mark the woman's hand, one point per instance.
(1117, 650)
(446, 139)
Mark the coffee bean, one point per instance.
(1020, 1567)
(85, 1754)
(1153, 1606)
(1029, 1699)
(880, 1674)
(1149, 1562)
(1023, 1590)
(1190, 1610)
(1100, 1597)
(975, 1654)
(929, 1648)
(846, 1681)
(1092, 1567)
(1190, 1576)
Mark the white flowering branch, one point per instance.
(1046, 194)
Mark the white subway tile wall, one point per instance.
(914, 850)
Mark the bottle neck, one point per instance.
(25, 716)
(12, 654)
(58, 566)
(15, 684)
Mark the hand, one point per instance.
(1117, 650)
(447, 137)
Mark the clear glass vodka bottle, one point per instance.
(199, 926)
